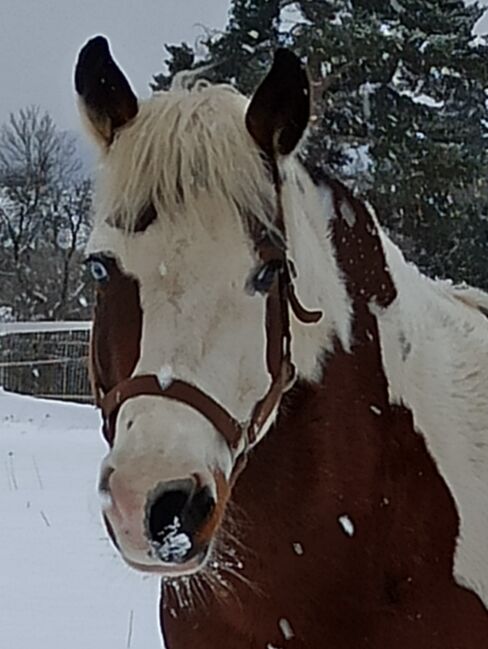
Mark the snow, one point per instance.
(365, 91)
(286, 629)
(359, 160)
(347, 525)
(291, 17)
(298, 549)
(63, 584)
(424, 99)
(165, 376)
(396, 6)
(6, 313)
(478, 41)
(175, 545)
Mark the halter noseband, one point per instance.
(240, 436)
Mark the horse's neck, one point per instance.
(343, 462)
(309, 212)
(339, 503)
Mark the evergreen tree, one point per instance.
(399, 109)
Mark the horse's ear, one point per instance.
(280, 109)
(106, 98)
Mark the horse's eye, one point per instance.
(262, 280)
(98, 270)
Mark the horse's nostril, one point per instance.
(166, 512)
(174, 517)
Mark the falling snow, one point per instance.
(347, 525)
(165, 376)
(298, 548)
(286, 629)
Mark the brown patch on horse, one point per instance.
(105, 93)
(116, 333)
(340, 449)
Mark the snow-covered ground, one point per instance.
(61, 582)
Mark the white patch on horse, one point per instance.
(347, 525)
(162, 269)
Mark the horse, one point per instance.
(296, 417)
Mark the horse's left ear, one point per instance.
(106, 98)
(280, 108)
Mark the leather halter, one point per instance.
(240, 436)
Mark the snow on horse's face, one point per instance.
(186, 190)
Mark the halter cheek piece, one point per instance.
(240, 437)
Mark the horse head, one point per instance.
(202, 250)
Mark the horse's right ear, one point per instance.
(106, 98)
(280, 108)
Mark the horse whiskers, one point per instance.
(178, 593)
(230, 533)
(243, 579)
(198, 586)
(215, 579)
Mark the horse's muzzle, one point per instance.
(167, 529)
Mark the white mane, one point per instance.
(181, 143)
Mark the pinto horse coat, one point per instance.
(358, 517)
(343, 450)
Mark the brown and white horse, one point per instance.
(297, 418)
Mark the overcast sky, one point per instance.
(39, 41)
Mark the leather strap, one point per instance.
(149, 385)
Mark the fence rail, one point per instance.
(46, 359)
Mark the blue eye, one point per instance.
(98, 270)
(263, 279)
